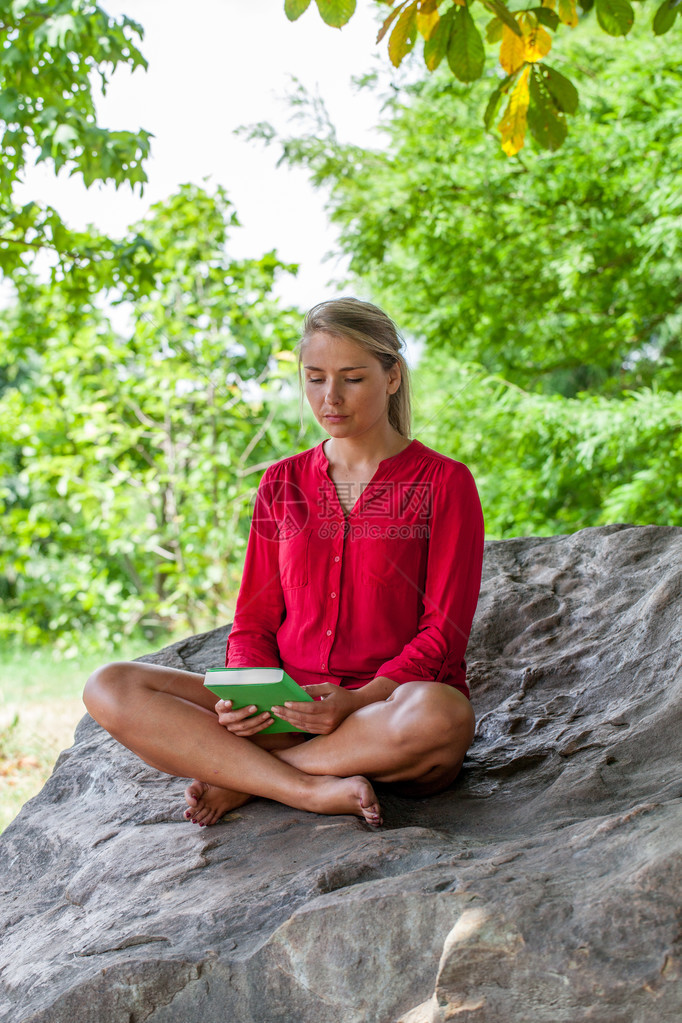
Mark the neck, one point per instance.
(353, 454)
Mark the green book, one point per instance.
(264, 688)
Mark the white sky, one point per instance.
(215, 65)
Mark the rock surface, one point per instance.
(543, 887)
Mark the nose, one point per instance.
(332, 397)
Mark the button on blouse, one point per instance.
(390, 589)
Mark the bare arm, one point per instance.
(380, 688)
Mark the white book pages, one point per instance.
(243, 676)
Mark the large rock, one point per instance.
(544, 886)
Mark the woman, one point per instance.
(361, 579)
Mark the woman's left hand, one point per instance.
(322, 716)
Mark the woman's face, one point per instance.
(347, 387)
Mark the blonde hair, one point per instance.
(371, 329)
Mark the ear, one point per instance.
(394, 378)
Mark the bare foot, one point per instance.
(347, 795)
(208, 803)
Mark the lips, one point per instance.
(336, 417)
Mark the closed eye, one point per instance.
(349, 380)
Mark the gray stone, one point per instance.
(543, 887)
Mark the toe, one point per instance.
(194, 792)
(372, 814)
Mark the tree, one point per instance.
(545, 464)
(128, 457)
(562, 275)
(536, 96)
(51, 54)
(548, 295)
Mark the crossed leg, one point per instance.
(208, 803)
(166, 717)
(415, 740)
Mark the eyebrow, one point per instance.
(344, 369)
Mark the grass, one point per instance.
(40, 706)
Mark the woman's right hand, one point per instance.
(241, 722)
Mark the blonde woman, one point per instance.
(361, 579)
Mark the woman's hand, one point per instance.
(241, 722)
(325, 714)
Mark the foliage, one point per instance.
(548, 296)
(561, 276)
(537, 96)
(128, 457)
(52, 56)
(128, 453)
(546, 464)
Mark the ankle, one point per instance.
(311, 791)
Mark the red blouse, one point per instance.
(389, 590)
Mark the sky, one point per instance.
(215, 65)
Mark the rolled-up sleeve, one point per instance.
(453, 581)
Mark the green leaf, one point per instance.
(547, 124)
(295, 8)
(502, 12)
(9, 105)
(336, 12)
(64, 136)
(466, 54)
(562, 91)
(389, 21)
(545, 16)
(616, 17)
(404, 35)
(494, 104)
(494, 30)
(664, 18)
(436, 47)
